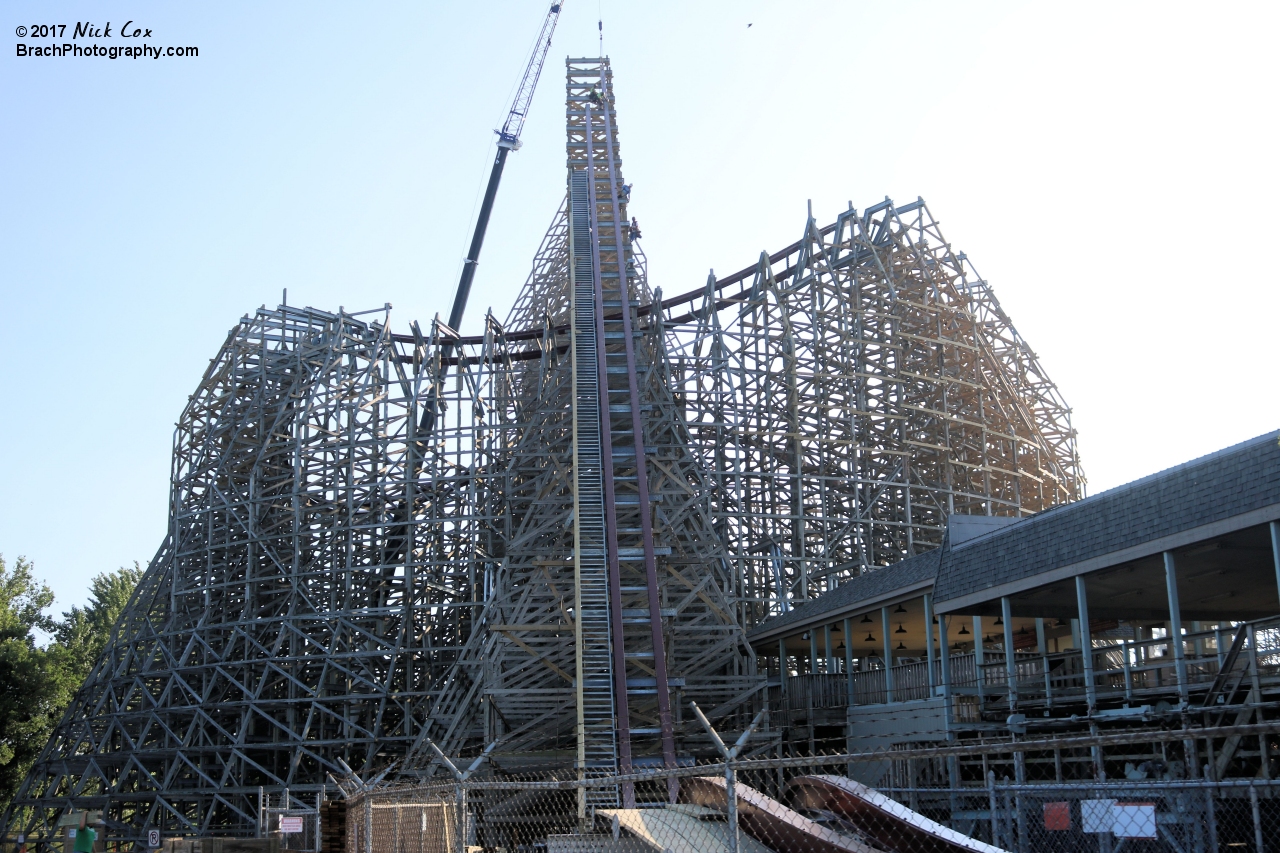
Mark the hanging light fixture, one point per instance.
(1000, 620)
(956, 647)
(901, 647)
(1023, 630)
(900, 609)
(870, 638)
(805, 635)
(866, 618)
(900, 629)
(963, 631)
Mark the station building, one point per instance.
(1064, 622)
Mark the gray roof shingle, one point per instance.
(869, 586)
(1224, 484)
(1230, 482)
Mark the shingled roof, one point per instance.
(1228, 490)
(865, 591)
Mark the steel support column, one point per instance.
(928, 638)
(888, 655)
(1010, 663)
(1175, 624)
(1086, 645)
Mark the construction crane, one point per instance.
(508, 141)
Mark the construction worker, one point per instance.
(595, 98)
(85, 836)
(635, 229)
(624, 194)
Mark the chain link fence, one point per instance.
(1134, 791)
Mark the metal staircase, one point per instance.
(606, 292)
(597, 742)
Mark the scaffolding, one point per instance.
(551, 536)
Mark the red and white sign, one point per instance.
(290, 824)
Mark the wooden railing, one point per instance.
(1132, 669)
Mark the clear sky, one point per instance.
(1109, 167)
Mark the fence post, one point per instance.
(991, 797)
(460, 803)
(1257, 818)
(460, 786)
(368, 824)
(729, 753)
(1210, 815)
(262, 811)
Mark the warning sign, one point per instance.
(290, 824)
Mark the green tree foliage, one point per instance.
(37, 682)
(84, 631)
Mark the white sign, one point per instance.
(1096, 815)
(71, 833)
(290, 824)
(1134, 820)
(153, 838)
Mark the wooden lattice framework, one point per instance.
(372, 536)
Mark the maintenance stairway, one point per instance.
(621, 634)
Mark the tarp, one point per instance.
(886, 821)
(681, 827)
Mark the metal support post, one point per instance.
(1090, 687)
(1175, 625)
(729, 754)
(848, 659)
(1010, 663)
(1086, 646)
(1275, 550)
(888, 655)
(1257, 819)
(928, 639)
(995, 811)
(368, 823)
(1210, 812)
(826, 639)
(979, 659)
(460, 787)
(945, 651)
(782, 665)
(1128, 672)
(813, 651)
(1043, 648)
(1259, 713)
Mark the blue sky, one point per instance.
(1110, 168)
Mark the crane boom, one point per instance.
(508, 140)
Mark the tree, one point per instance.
(37, 683)
(84, 631)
